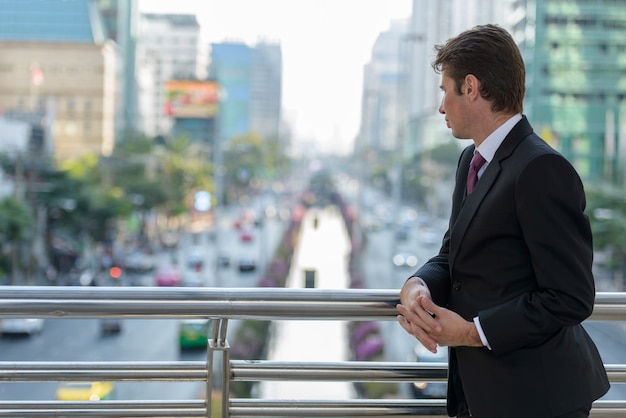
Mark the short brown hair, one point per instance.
(489, 53)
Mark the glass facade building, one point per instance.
(52, 21)
(250, 80)
(575, 51)
(231, 66)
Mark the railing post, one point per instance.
(218, 343)
(226, 380)
(209, 377)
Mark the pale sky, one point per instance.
(325, 44)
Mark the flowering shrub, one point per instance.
(369, 348)
(362, 329)
(366, 341)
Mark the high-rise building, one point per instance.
(231, 67)
(266, 90)
(168, 48)
(384, 83)
(120, 19)
(57, 60)
(576, 89)
(250, 80)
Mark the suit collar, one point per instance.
(491, 144)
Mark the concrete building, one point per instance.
(267, 78)
(384, 82)
(56, 58)
(169, 47)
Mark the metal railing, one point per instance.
(221, 305)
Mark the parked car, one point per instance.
(246, 236)
(195, 259)
(223, 260)
(111, 325)
(402, 234)
(193, 333)
(167, 276)
(169, 239)
(247, 264)
(424, 389)
(139, 262)
(84, 391)
(25, 326)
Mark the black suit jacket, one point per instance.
(518, 255)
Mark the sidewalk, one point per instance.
(325, 249)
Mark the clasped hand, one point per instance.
(433, 325)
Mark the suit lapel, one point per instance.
(468, 205)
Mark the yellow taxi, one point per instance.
(85, 391)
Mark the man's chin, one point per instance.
(459, 136)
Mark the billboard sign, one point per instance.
(191, 99)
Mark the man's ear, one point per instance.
(472, 86)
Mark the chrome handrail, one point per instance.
(233, 303)
(222, 304)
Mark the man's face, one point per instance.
(454, 107)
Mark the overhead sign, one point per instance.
(191, 99)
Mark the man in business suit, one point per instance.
(512, 282)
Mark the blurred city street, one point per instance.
(323, 249)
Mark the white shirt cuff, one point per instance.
(481, 334)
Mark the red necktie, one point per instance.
(472, 177)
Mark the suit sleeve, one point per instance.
(550, 204)
(436, 274)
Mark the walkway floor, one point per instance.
(325, 249)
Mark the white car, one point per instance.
(27, 326)
(139, 262)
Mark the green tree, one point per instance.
(424, 170)
(81, 202)
(606, 209)
(276, 161)
(16, 222)
(185, 168)
(244, 158)
(250, 159)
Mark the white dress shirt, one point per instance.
(488, 150)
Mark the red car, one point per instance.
(168, 276)
(246, 236)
